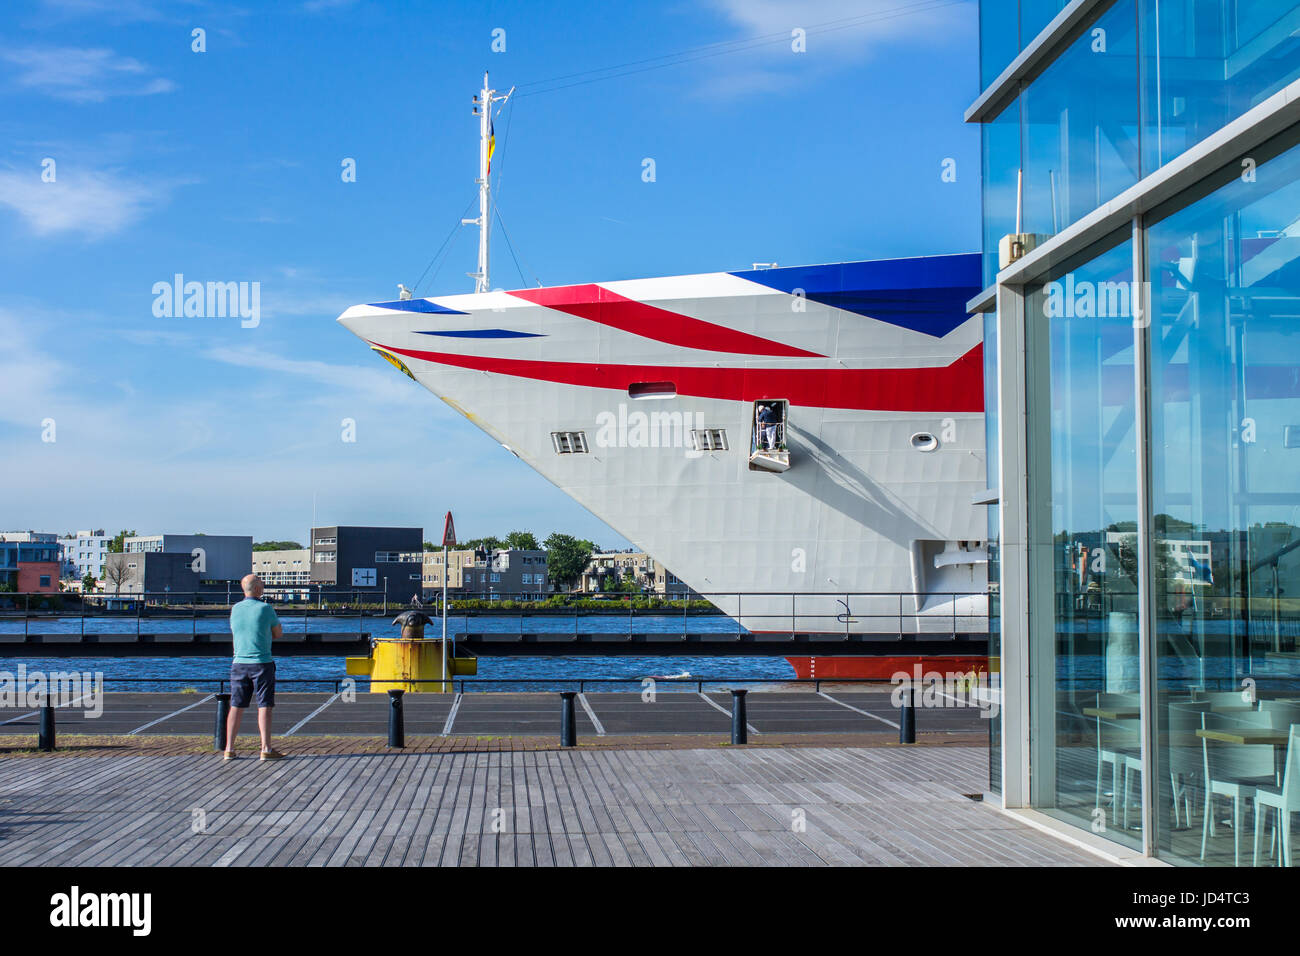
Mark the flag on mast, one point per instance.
(492, 141)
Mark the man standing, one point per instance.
(253, 624)
(767, 421)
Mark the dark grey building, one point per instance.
(155, 573)
(373, 561)
(217, 558)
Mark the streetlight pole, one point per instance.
(446, 569)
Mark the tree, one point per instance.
(566, 557)
(88, 583)
(116, 573)
(488, 544)
(613, 584)
(118, 544)
(276, 546)
(522, 540)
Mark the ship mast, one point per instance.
(483, 101)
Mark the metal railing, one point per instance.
(766, 612)
(463, 685)
(138, 607)
(831, 612)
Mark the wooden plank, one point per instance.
(881, 806)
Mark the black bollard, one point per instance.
(223, 716)
(907, 719)
(568, 721)
(45, 739)
(739, 730)
(396, 726)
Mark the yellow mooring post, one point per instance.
(410, 663)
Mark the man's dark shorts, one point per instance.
(249, 680)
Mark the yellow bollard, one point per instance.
(410, 663)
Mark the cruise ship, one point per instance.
(802, 446)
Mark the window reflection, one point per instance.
(1204, 64)
(1226, 496)
(1081, 133)
(1096, 776)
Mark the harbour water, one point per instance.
(494, 673)
(542, 673)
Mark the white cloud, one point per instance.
(94, 204)
(837, 31)
(374, 384)
(83, 75)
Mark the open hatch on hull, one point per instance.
(767, 447)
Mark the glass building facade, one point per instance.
(1143, 396)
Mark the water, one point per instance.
(551, 672)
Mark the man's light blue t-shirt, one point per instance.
(250, 624)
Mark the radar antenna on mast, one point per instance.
(483, 101)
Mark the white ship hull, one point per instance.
(600, 387)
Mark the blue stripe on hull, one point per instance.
(417, 305)
(927, 295)
(488, 334)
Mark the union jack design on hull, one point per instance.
(638, 399)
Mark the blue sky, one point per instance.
(225, 165)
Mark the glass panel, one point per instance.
(1089, 733)
(998, 38)
(1001, 159)
(991, 439)
(1081, 133)
(1206, 63)
(1035, 15)
(1226, 497)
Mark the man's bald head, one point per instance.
(252, 585)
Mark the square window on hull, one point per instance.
(569, 443)
(709, 439)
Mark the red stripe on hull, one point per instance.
(597, 304)
(882, 668)
(958, 387)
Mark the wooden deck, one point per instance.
(885, 807)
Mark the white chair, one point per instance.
(1118, 745)
(1284, 799)
(1186, 757)
(1233, 771)
(1229, 698)
(1285, 712)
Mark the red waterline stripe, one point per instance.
(958, 387)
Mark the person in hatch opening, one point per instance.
(768, 420)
